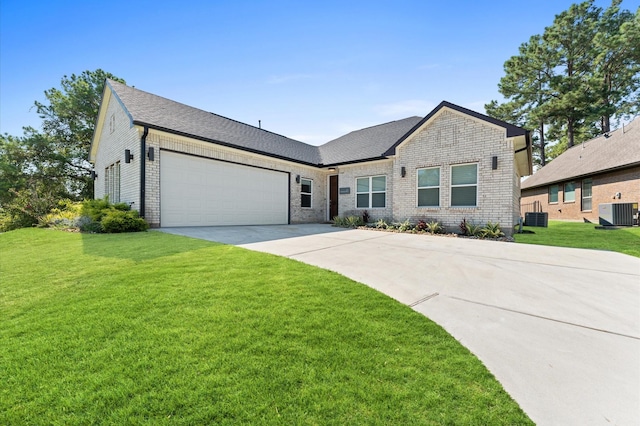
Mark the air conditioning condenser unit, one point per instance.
(617, 214)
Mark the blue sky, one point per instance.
(308, 70)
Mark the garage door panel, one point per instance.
(201, 192)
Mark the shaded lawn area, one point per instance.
(583, 235)
(163, 329)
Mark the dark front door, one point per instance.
(333, 196)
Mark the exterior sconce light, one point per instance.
(403, 171)
(93, 175)
(128, 156)
(150, 153)
(297, 178)
(494, 162)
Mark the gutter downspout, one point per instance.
(143, 170)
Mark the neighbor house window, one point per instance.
(429, 187)
(586, 194)
(112, 182)
(305, 191)
(553, 194)
(569, 192)
(464, 185)
(371, 192)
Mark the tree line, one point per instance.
(46, 165)
(571, 82)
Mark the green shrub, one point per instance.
(434, 227)
(491, 230)
(354, 221)
(65, 215)
(404, 226)
(348, 222)
(86, 224)
(26, 208)
(338, 221)
(115, 221)
(102, 216)
(381, 224)
(470, 229)
(96, 209)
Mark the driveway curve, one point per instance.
(558, 327)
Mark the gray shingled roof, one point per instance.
(164, 114)
(371, 142)
(619, 150)
(379, 141)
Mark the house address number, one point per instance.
(345, 190)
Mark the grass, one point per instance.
(583, 235)
(161, 329)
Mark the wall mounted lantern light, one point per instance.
(403, 171)
(93, 175)
(150, 153)
(494, 162)
(128, 156)
(297, 178)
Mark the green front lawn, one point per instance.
(583, 235)
(161, 329)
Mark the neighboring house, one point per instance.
(181, 166)
(605, 169)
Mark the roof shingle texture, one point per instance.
(161, 113)
(164, 114)
(370, 143)
(620, 149)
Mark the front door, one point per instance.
(333, 196)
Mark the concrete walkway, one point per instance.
(558, 327)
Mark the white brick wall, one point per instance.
(113, 141)
(165, 141)
(452, 138)
(347, 179)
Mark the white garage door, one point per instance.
(201, 192)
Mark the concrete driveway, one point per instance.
(558, 327)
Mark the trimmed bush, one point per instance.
(116, 221)
(96, 209)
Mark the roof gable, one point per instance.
(620, 149)
(511, 130)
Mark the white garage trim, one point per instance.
(199, 191)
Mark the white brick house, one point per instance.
(181, 166)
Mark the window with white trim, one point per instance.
(429, 187)
(112, 182)
(569, 192)
(306, 186)
(371, 192)
(464, 185)
(587, 185)
(553, 194)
